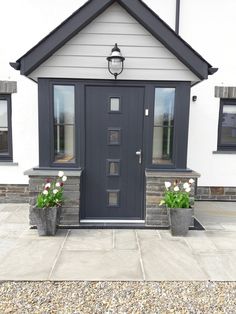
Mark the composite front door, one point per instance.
(113, 167)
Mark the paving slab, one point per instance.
(164, 259)
(89, 240)
(121, 265)
(199, 242)
(125, 240)
(31, 259)
(225, 240)
(218, 266)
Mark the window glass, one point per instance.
(163, 131)
(228, 125)
(64, 123)
(4, 145)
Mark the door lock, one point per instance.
(139, 153)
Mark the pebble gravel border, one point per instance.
(117, 297)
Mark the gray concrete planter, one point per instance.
(46, 220)
(180, 220)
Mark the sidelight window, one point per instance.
(64, 123)
(163, 130)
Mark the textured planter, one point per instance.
(180, 220)
(46, 220)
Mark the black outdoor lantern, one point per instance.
(115, 62)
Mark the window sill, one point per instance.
(224, 152)
(8, 163)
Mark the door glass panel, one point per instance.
(163, 131)
(114, 137)
(64, 123)
(113, 198)
(228, 130)
(113, 167)
(115, 104)
(3, 127)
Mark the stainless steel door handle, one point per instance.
(139, 153)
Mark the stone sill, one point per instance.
(226, 152)
(53, 172)
(171, 174)
(8, 163)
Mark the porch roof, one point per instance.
(89, 11)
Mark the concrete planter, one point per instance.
(180, 220)
(46, 220)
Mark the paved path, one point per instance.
(127, 255)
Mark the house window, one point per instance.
(163, 129)
(227, 125)
(64, 123)
(5, 128)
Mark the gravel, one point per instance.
(117, 297)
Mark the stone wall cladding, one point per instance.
(70, 208)
(155, 187)
(14, 193)
(216, 193)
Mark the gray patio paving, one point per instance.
(120, 255)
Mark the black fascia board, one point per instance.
(89, 11)
(167, 36)
(61, 34)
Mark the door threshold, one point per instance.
(111, 221)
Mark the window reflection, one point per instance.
(64, 123)
(163, 132)
(228, 130)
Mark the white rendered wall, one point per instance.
(23, 24)
(209, 26)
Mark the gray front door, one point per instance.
(113, 170)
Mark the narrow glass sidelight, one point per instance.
(3, 128)
(163, 130)
(64, 123)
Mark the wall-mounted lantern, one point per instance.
(115, 62)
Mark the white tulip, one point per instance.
(186, 185)
(48, 185)
(45, 192)
(188, 190)
(191, 181)
(176, 188)
(55, 191)
(167, 185)
(64, 178)
(60, 174)
(58, 184)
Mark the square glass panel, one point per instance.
(113, 198)
(114, 136)
(113, 167)
(114, 104)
